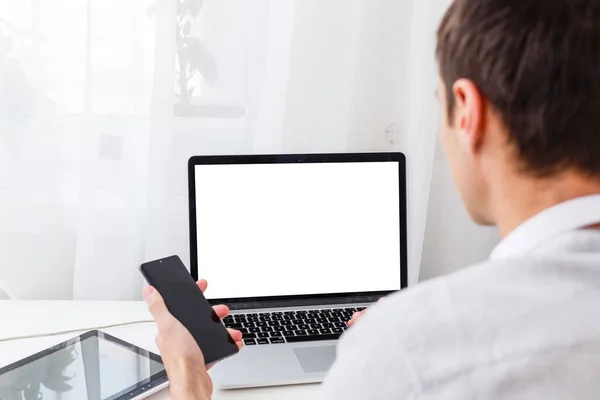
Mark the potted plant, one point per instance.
(192, 57)
(21, 102)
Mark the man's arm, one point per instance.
(188, 386)
(183, 359)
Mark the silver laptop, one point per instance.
(294, 245)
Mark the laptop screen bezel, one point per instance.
(308, 299)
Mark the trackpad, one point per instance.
(315, 359)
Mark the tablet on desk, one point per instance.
(93, 366)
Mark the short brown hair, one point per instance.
(537, 62)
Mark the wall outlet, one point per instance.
(391, 134)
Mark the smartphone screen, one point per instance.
(186, 302)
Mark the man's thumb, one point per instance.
(155, 302)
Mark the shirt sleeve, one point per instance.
(371, 362)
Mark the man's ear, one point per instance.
(469, 110)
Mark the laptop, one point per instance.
(294, 245)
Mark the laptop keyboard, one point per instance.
(291, 326)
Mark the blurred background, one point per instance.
(103, 101)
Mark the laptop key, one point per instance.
(325, 330)
(267, 329)
(337, 330)
(261, 324)
(234, 326)
(253, 330)
(290, 328)
(328, 325)
(263, 341)
(279, 328)
(310, 320)
(248, 335)
(313, 332)
(321, 320)
(275, 334)
(303, 326)
(243, 330)
(296, 339)
(249, 342)
(288, 333)
(275, 340)
(263, 334)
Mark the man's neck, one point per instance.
(519, 198)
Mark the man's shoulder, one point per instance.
(484, 313)
(477, 319)
(404, 335)
(423, 324)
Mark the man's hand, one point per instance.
(180, 353)
(356, 316)
(222, 311)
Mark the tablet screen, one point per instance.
(94, 367)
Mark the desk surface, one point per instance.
(19, 318)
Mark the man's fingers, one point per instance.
(158, 341)
(236, 336)
(202, 284)
(221, 310)
(355, 317)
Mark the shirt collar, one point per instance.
(569, 215)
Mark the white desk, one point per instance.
(18, 318)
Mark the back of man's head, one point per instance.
(536, 66)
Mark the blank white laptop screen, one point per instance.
(298, 229)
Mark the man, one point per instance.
(520, 92)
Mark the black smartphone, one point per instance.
(185, 301)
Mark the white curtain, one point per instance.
(103, 101)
